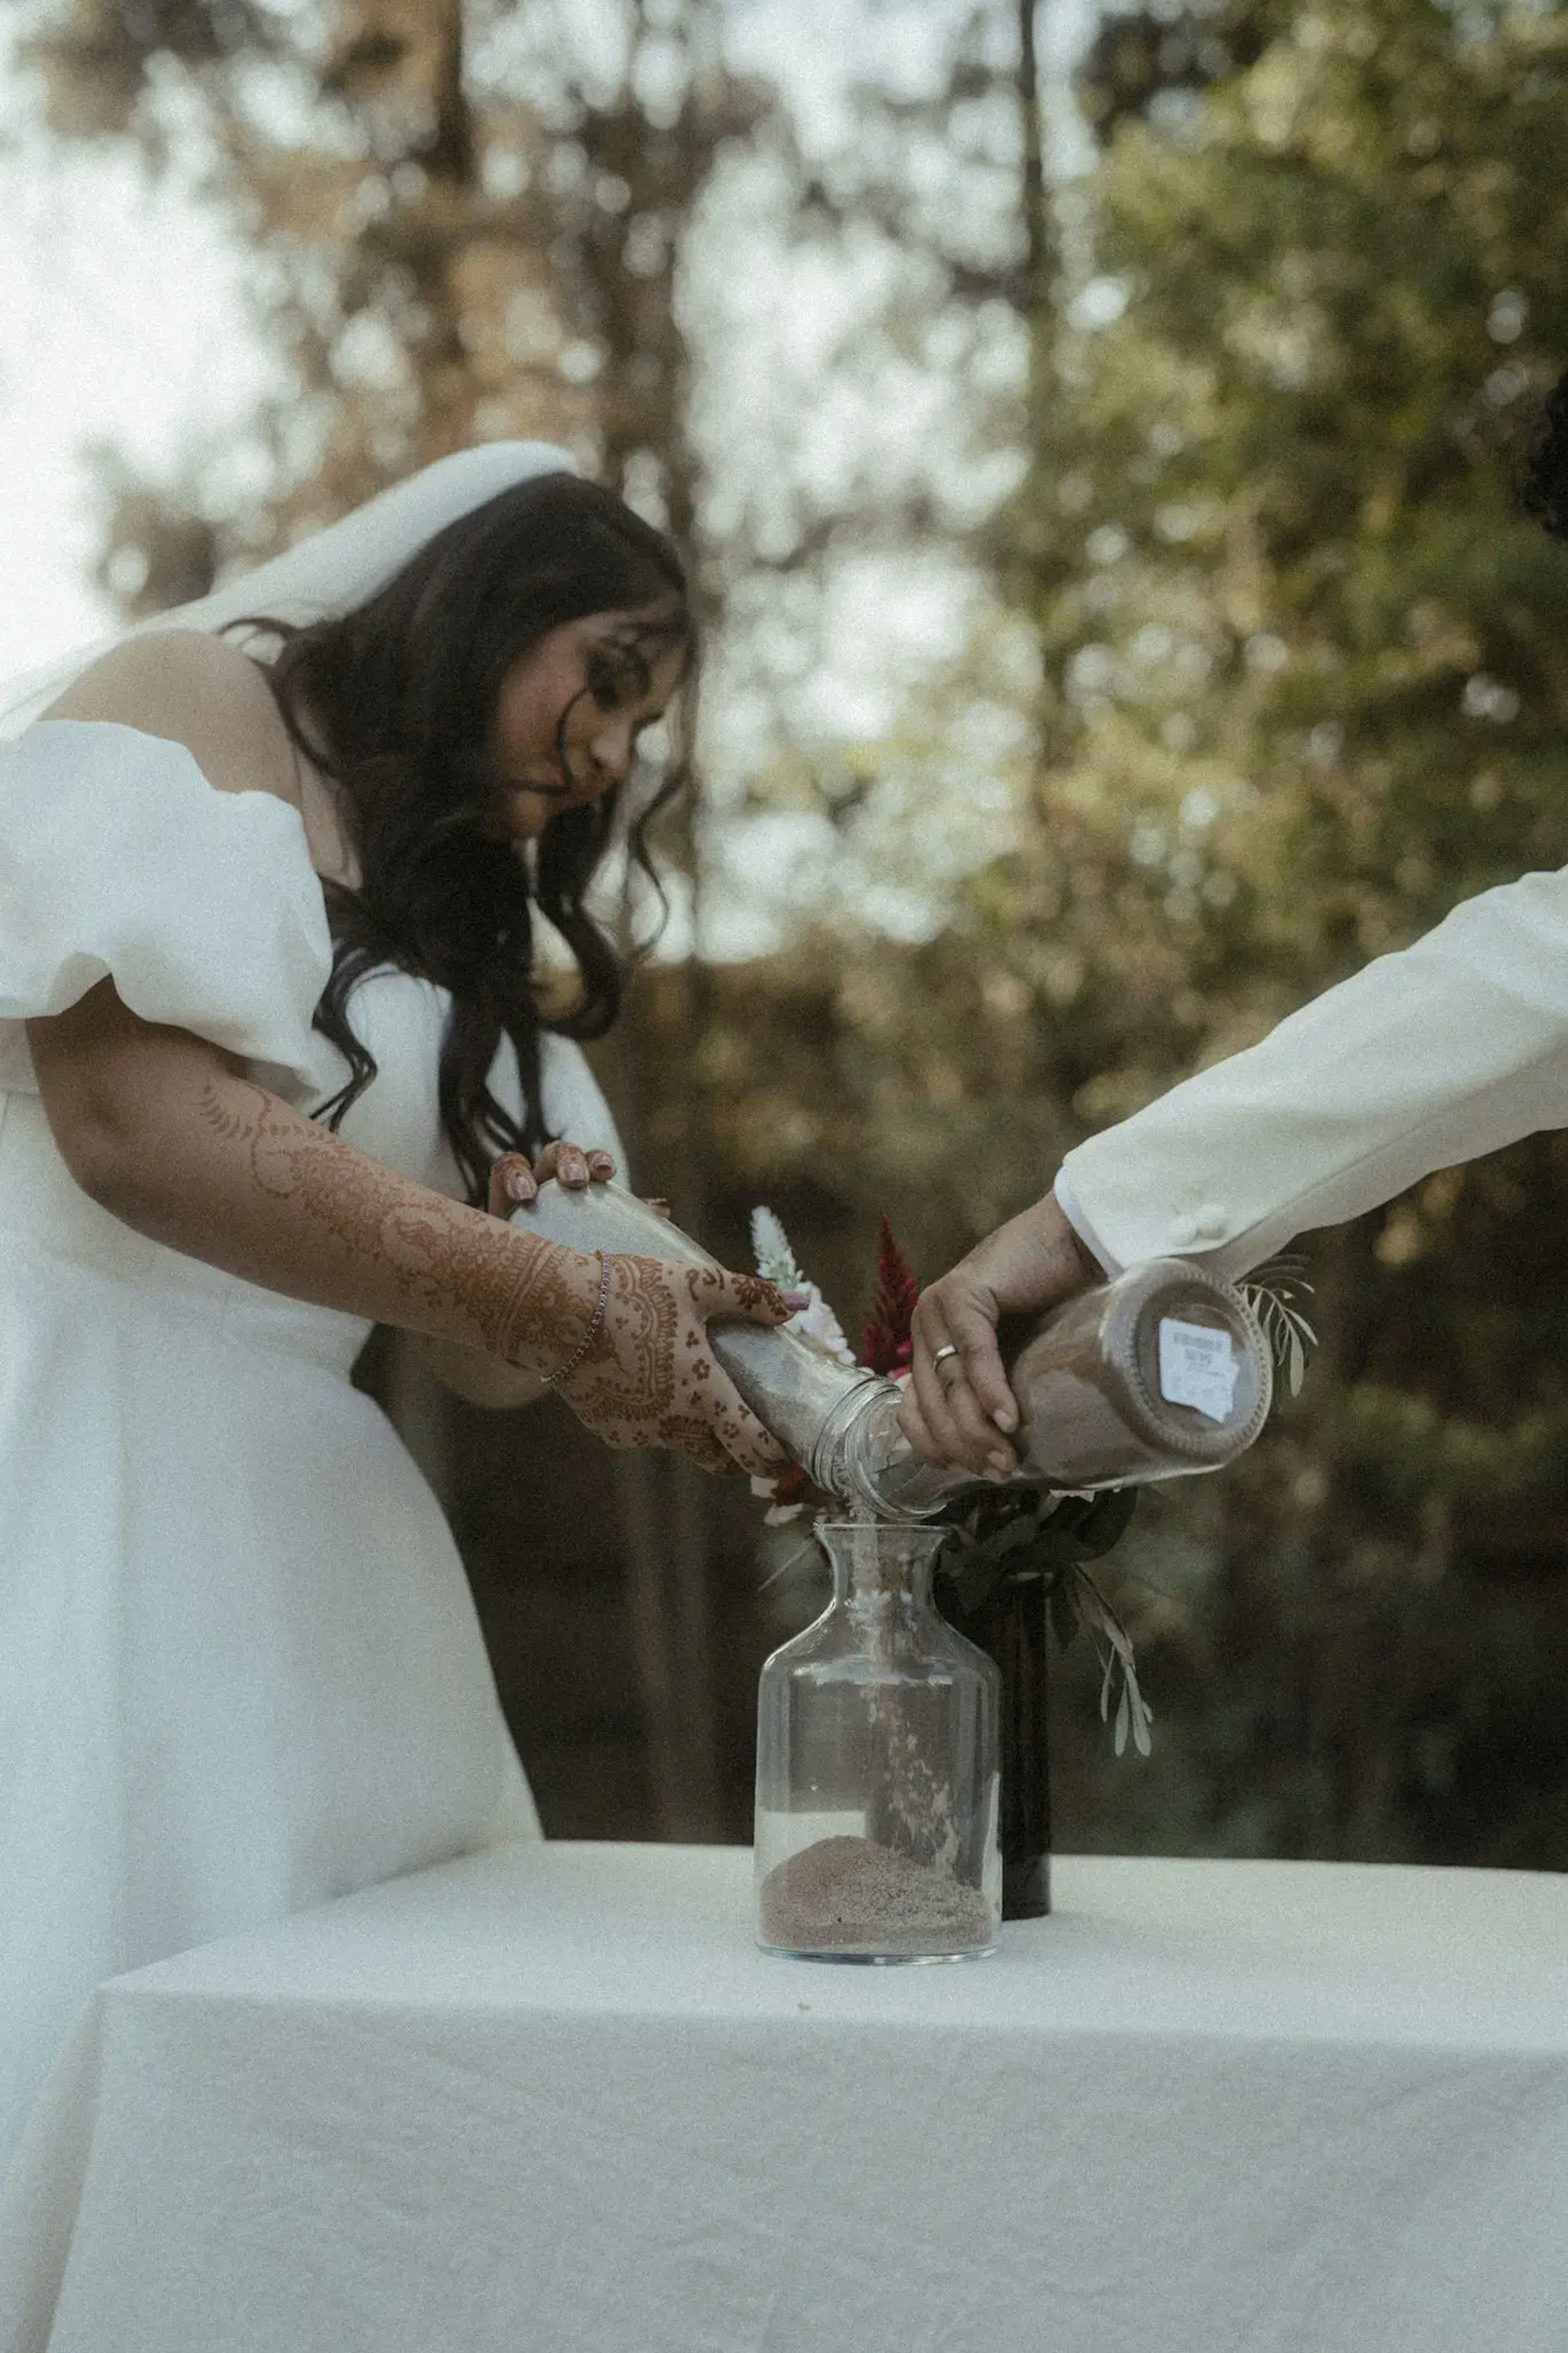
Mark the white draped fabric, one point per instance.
(553, 2097)
(240, 1671)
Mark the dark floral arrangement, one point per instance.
(1016, 1536)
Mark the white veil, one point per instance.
(327, 574)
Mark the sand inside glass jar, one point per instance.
(856, 1895)
(897, 1895)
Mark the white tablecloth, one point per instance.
(553, 2100)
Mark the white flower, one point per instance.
(775, 1259)
(815, 1323)
(818, 1327)
(777, 1515)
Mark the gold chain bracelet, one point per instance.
(553, 1380)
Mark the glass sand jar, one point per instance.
(876, 1768)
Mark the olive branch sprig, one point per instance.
(1274, 1292)
(1047, 1540)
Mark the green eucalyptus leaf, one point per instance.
(1068, 1546)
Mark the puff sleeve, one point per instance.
(118, 859)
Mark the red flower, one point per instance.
(792, 1486)
(889, 1344)
(791, 1493)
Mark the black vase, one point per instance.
(1010, 1626)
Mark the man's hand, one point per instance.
(961, 1410)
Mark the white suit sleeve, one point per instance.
(1451, 1048)
(118, 859)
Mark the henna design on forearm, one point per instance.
(647, 1376)
(453, 1269)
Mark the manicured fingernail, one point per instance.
(1000, 1465)
(520, 1188)
(795, 1299)
(1006, 1419)
(573, 1171)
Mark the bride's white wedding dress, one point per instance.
(240, 1669)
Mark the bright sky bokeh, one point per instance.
(121, 322)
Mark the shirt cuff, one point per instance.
(1066, 1202)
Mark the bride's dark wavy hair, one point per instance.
(1543, 485)
(394, 701)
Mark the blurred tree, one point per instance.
(1145, 64)
(1301, 687)
(1306, 679)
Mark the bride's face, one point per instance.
(569, 714)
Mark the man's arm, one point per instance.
(1451, 1048)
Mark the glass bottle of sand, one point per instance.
(876, 1768)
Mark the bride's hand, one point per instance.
(648, 1376)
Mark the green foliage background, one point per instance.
(1308, 668)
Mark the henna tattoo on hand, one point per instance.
(649, 1379)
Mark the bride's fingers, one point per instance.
(687, 1434)
(677, 1394)
(718, 1294)
(700, 1446)
(514, 1179)
(512, 1183)
(566, 1162)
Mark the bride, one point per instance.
(239, 1669)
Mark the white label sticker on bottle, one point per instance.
(1198, 1367)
